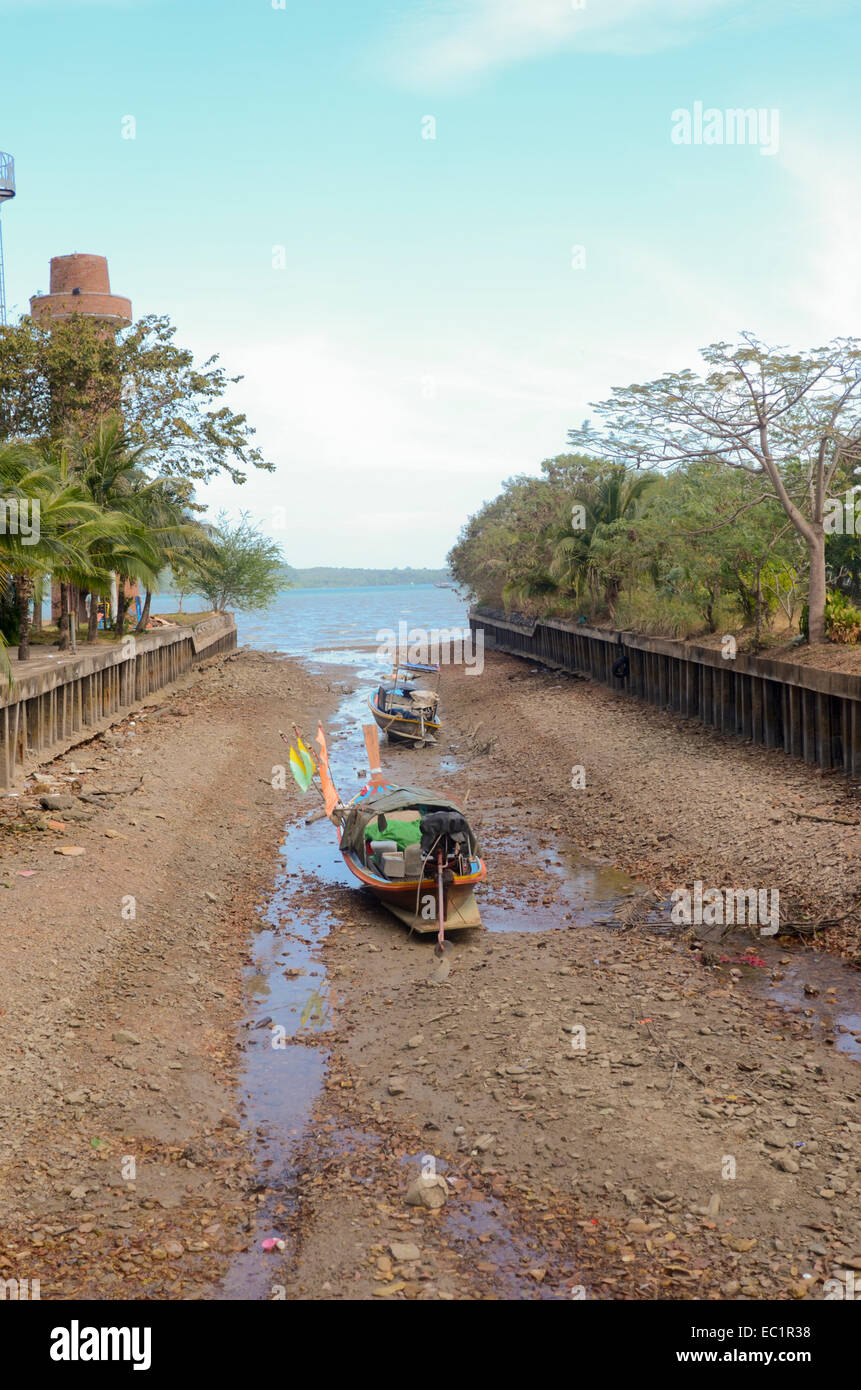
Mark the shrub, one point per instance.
(842, 618)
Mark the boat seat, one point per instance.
(379, 847)
(392, 864)
(412, 861)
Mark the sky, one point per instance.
(430, 232)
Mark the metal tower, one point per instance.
(7, 192)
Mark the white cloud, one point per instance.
(828, 188)
(363, 451)
(455, 40)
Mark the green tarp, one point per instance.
(403, 832)
(390, 802)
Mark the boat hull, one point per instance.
(401, 896)
(403, 728)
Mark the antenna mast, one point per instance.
(7, 193)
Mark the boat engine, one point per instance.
(450, 832)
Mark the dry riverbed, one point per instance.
(620, 1109)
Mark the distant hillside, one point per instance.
(327, 577)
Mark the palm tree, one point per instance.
(111, 469)
(66, 518)
(612, 497)
(162, 505)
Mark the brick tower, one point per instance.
(80, 285)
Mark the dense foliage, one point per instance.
(73, 375)
(102, 438)
(696, 501)
(697, 549)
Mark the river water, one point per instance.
(306, 621)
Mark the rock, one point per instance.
(787, 1164)
(430, 1192)
(405, 1254)
(484, 1142)
(123, 1036)
(741, 1244)
(396, 1086)
(76, 1098)
(56, 803)
(416, 1041)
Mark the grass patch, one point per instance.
(186, 619)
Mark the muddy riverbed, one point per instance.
(620, 1108)
(698, 1140)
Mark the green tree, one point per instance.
(790, 420)
(155, 513)
(240, 568)
(73, 375)
(68, 521)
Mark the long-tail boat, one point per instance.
(404, 710)
(413, 849)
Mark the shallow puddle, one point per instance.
(812, 987)
(539, 889)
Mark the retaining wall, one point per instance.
(61, 701)
(811, 714)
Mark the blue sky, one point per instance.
(429, 334)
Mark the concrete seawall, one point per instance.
(59, 701)
(808, 713)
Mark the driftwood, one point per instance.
(832, 820)
(678, 1060)
(808, 928)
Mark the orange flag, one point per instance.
(330, 795)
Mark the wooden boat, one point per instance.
(404, 711)
(412, 848)
(429, 883)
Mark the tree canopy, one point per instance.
(72, 375)
(790, 420)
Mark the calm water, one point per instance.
(306, 621)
